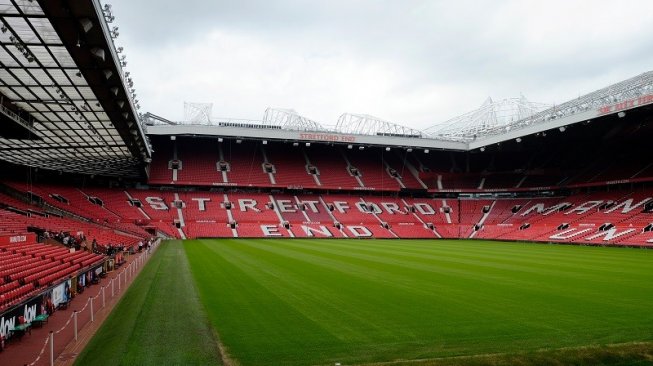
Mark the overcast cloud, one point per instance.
(416, 63)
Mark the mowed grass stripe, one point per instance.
(603, 258)
(250, 316)
(513, 261)
(493, 274)
(508, 271)
(159, 321)
(491, 285)
(310, 302)
(463, 248)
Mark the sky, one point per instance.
(415, 63)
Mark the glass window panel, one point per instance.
(60, 78)
(6, 59)
(6, 7)
(24, 77)
(29, 7)
(62, 55)
(45, 30)
(7, 78)
(42, 55)
(77, 80)
(22, 29)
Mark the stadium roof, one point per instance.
(65, 101)
(493, 122)
(490, 116)
(614, 99)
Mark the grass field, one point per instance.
(306, 302)
(159, 321)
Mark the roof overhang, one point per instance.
(63, 88)
(304, 136)
(466, 132)
(620, 109)
(254, 132)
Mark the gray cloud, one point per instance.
(414, 62)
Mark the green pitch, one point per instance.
(305, 302)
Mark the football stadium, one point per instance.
(515, 233)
